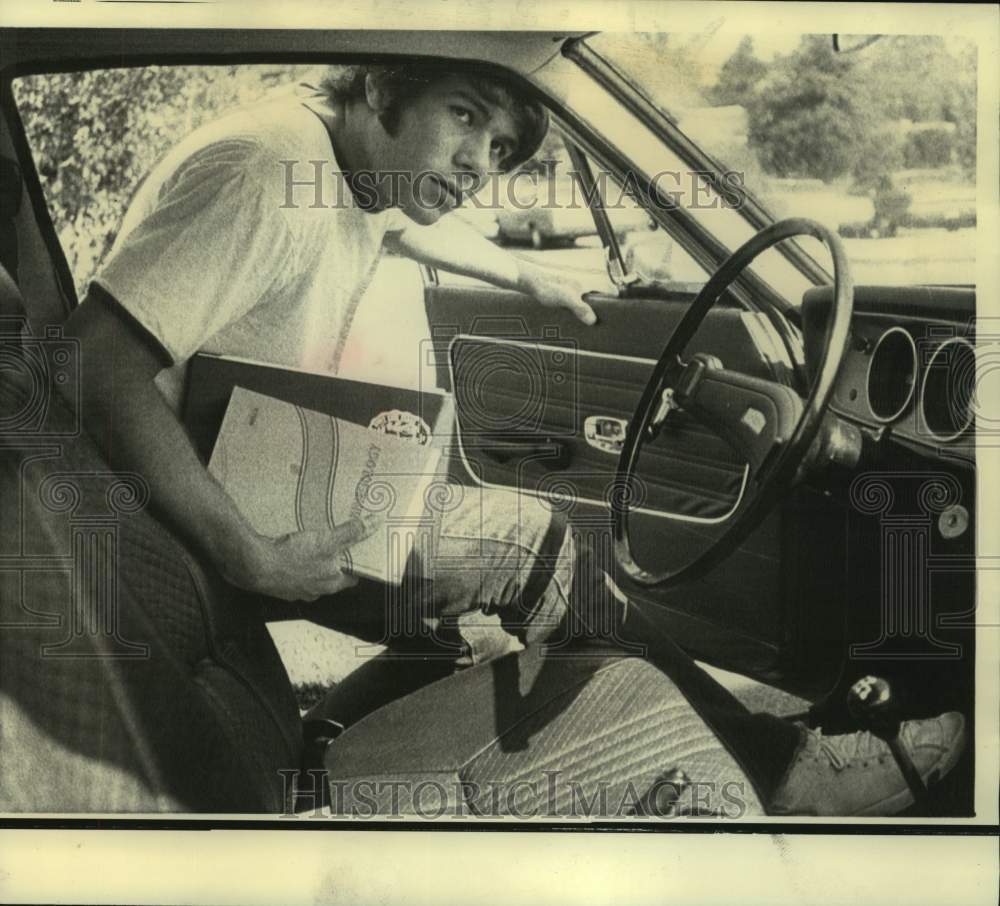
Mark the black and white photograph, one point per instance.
(430, 427)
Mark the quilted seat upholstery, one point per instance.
(534, 736)
(131, 678)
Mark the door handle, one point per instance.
(605, 433)
(553, 453)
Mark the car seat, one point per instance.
(133, 679)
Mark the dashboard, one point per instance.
(909, 372)
(888, 543)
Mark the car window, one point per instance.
(541, 212)
(536, 213)
(648, 251)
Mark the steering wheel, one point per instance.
(768, 423)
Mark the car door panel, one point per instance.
(525, 381)
(524, 427)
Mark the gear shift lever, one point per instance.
(870, 701)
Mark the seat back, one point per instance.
(132, 679)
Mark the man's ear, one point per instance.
(375, 94)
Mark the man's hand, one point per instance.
(125, 413)
(555, 290)
(300, 566)
(452, 244)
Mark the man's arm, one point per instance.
(130, 420)
(454, 245)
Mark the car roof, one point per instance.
(522, 52)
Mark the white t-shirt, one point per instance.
(221, 251)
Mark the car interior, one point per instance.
(788, 488)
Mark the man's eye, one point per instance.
(499, 148)
(463, 115)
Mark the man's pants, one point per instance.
(492, 570)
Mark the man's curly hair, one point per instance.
(405, 82)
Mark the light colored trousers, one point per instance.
(492, 569)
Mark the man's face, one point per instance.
(447, 140)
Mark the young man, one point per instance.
(221, 250)
(256, 237)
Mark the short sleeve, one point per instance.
(213, 245)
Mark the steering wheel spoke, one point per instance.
(756, 417)
(667, 399)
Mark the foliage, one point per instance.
(962, 113)
(878, 154)
(807, 118)
(94, 135)
(919, 78)
(738, 77)
(818, 114)
(891, 205)
(927, 78)
(927, 148)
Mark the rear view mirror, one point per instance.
(853, 43)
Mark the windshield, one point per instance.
(876, 140)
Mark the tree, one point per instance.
(738, 77)
(961, 109)
(928, 148)
(810, 115)
(928, 78)
(878, 156)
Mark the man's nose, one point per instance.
(473, 159)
